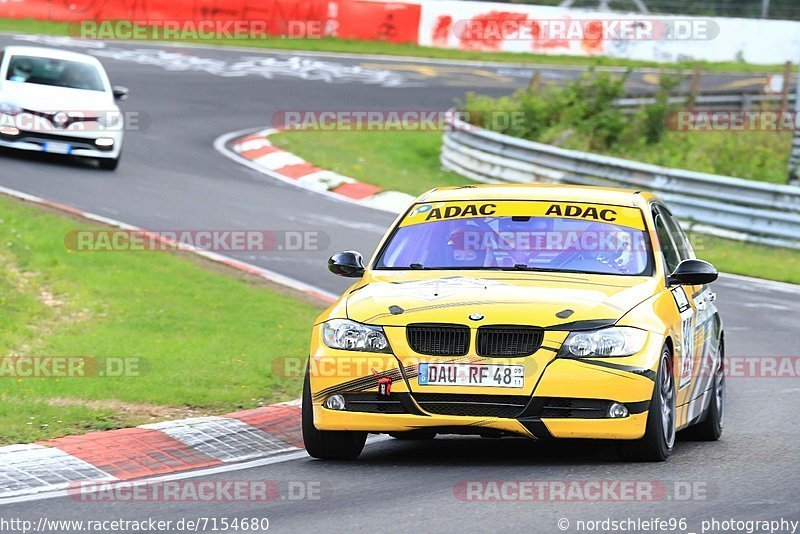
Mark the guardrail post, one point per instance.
(787, 81)
(694, 88)
(794, 159)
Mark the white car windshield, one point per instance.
(54, 72)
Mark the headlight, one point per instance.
(10, 109)
(613, 341)
(349, 335)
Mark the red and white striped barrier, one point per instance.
(149, 450)
(256, 149)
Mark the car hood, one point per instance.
(47, 98)
(539, 299)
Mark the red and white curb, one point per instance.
(149, 450)
(253, 148)
(160, 448)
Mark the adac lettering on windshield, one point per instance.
(442, 211)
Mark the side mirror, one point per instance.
(693, 273)
(349, 264)
(120, 93)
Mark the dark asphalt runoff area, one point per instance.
(172, 178)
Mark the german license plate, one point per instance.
(57, 148)
(470, 374)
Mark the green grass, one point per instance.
(205, 340)
(394, 49)
(762, 156)
(749, 259)
(582, 115)
(409, 162)
(400, 161)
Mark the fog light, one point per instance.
(9, 130)
(104, 141)
(335, 402)
(617, 411)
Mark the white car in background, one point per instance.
(59, 102)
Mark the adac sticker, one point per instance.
(442, 211)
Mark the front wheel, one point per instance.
(659, 436)
(108, 164)
(327, 444)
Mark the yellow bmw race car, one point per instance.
(543, 311)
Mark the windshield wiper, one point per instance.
(416, 266)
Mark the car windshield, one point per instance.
(522, 242)
(55, 72)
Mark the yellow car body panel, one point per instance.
(517, 298)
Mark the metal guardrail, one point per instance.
(735, 208)
(713, 102)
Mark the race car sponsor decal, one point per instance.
(440, 211)
(681, 299)
(688, 320)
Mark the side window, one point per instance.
(668, 248)
(678, 236)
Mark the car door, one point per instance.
(698, 346)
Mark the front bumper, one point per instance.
(80, 145)
(567, 401)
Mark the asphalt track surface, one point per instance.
(171, 178)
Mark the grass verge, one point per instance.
(409, 162)
(582, 115)
(353, 46)
(406, 161)
(197, 341)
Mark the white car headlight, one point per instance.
(349, 335)
(10, 109)
(614, 341)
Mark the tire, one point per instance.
(108, 164)
(659, 437)
(709, 428)
(326, 444)
(414, 435)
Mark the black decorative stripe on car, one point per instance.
(590, 324)
(536, 427)
(366, 382)
(647, 373)
(438, 307)
(371, 381)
